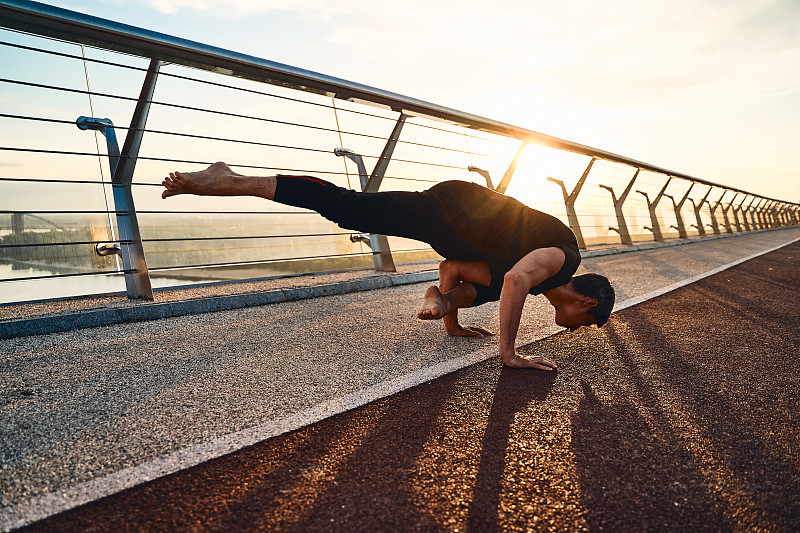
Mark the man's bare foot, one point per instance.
(434, 306)
(538, 362)
(217, 180)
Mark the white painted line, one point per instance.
(82, 493)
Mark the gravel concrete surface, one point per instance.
(83, 404)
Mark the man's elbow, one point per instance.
(517, 279)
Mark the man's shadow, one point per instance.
(516, 389)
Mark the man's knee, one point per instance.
(469, 271)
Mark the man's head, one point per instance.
(598, 288)
(587, 300)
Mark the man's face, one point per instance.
(573, 315)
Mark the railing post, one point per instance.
(679, 224)
(697, 207)
(569, 202)
(784, 213)
(622, 227)
(773, 219)
(738, 209)
(749, 216)
(655, 227)
(728, 227)
(379, 244)
(746, 214)
(503, 185)
(137, 280)
(712, 210)
(758, 221)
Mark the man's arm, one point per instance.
(529, 271)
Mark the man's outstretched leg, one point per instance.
(218, 180)
(398, 213)
(455, 291)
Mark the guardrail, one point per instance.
(76, 206)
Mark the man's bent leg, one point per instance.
(455, 291)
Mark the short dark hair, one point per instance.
(597, 287)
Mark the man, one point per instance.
(495, 248)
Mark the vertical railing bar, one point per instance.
(728, 226)
(679, 223)
(381, 253)
(503, 185)
(697, 208)
(713, 210)
(622, 226)
(754, 213)
(137, 282)
(651, 208)
(569, 202)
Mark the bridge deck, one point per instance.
(664, 403)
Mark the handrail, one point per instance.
(90, 244)
(72, 26)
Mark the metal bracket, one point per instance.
(358, 160)
(569, 202)
(484, 173)
(111, 248)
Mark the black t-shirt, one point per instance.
(500, 230)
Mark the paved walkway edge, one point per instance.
(47, 505)
(154, 311)
(141, 312)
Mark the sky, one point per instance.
(710, 88)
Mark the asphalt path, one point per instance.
(681, 414)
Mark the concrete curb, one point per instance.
(154, 311)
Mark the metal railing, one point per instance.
(64, 216)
